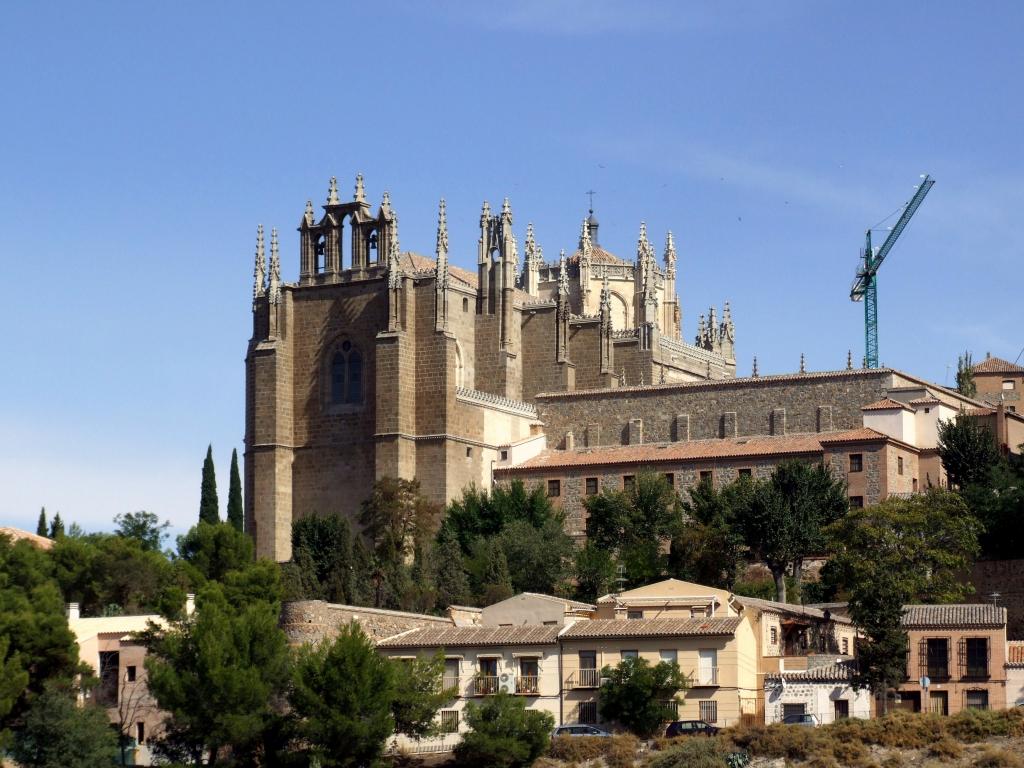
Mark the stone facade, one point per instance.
(310, 621)
(380, 362)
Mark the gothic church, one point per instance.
(380, 361)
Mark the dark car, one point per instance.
(690, 728)
(579, 730)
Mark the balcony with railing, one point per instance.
(484, 685)
(706, 677)
(584, 678)
(528, 685)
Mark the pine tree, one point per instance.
(41, 528)
(235, 513)
(57, 527)
(208, 507)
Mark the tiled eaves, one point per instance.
(953, 616)
(595, 629)
(462, 637)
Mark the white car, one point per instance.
(579, 730)
(811, 721)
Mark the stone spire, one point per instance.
(563, 275)
(803, 368)
(394, 278)
(506, 212)
(274, 286)
(606, 295)
(385, 208)
(755, 373)
(849, 359)
(332, 192)
(309, 217)
(642, 244)
(441, 270)
(586, 253)
(259, 273)
(701, 339)
(670, 259)
(533, 260)
(586, 245)
(562, 312)
(727, 333)
(714, 337)
(360, 194)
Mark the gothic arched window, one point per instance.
(346, 375)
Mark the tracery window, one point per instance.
(346, 375)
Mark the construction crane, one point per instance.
(865, 285)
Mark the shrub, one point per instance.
(972, 725)
(852, 753)
(946, 748)
(894, 760)
(503, 734)
(691, 753)
(578, 748)
(993, 757)
(622, 751)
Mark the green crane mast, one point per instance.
(865, 285)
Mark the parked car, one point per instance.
(811, 721)
(579, 730)
(690, 728)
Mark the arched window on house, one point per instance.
(346, 375)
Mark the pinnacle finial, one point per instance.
(670, 249)
(385, 204)
(332, 192)
(360, 194)
(531, 253)
(506, 209)
(755, 374)
(623, 375)
(442, 229)
(259, 274)
(586, 244)
(563, 275)
(309, 215)
(803, 368)
(849, 359)
(642, 246)
(274, 285)
(485, 211)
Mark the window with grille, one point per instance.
(628, 481)
(588, 712)
(591, 486)
(705, 476)
(934, 657)
(974, 657)
(846, 646)
(976, 699)
(670, 478)
(449, 721)
(554, 488)
(856, 462)
(774, 634)
(899, 465)
(709, 711)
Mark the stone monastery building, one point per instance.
(381, 361)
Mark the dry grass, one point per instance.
(994, 757)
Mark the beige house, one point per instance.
(107, 644)
(999, 381)
(1015, 673)
(962, 650)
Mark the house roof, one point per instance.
(996, 365)
(601, 628)
(928, 399)
(452, 637)
(1015, 653)
(599, 255)
(840, 672)
(886, 404)
(575, 605)
(791, 609)
(732, 447)
(953, 616)
(418, 263)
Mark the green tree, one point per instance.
(968, 451)
(236, 514)
(41, 529)
(490, 566)
(539, 559)
(965, 383)
(479, 514)
(594, 572)
(636, 694)
(998, 504)
(218, 674)
(209, 509)
(143, 527)
(322, 566)
(13, 682)
(449, 573)
(634, 523)
(419, 694)
(876, 608)
(57, 527)
(60, 734)
(787, 515)
(708, 548)
(213, 549)
(342, 693)
(503, 733)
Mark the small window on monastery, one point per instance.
(856, 462)
(746, 472)
(706, 476)
(346, 375)
(465, 304)
(670, 478)
(1008, 384)
(915, 484)
(129, 673)
(591, 486)
(628, 481)
(554, 488)
(856, 502)
(899, 465)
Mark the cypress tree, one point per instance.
(208, 507)
(41, 528)
(235, 512)
(57, 527)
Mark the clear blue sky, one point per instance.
(141, 144)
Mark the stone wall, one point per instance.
(308, 621)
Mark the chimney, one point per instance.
(190, 604)
(73, 613)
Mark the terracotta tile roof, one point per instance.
(1015, 652)
(978, 411)
(599, 255)
(953, 616)
(417, 262)
(788, 608)
(733, 447)
(996, 365)
(927, 400)
(832, 673)
(575, 605)
(451, 637)
(599, 628)
(886, 404)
